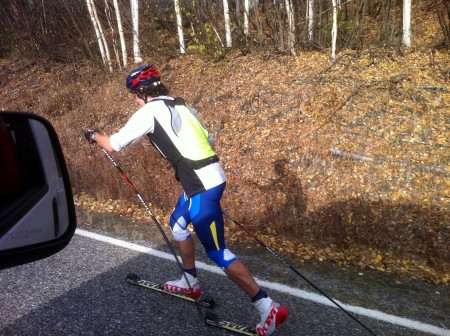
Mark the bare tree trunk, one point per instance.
(135, 23)
(121, 36)
(115, 48)
(226, 15)
(258, 25)
(291, 26)
(246, 17)
(102, 35)
(320, 23)
(361, 16)
(444, 25)
(99, 33)
(280, 24)
(310, 19)
(385, 7)
(180, 26)
(334, 30)
(406, 39)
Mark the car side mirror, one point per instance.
(37, 212)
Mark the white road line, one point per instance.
(375, 314)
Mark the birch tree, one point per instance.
(111, 27)
(104, 51)
(406, 39)
(121, 35)
(334, 30)
(310, 18)
(226, 14)
(246, 16)
(135, 24)
(180, 26)
(291, 25)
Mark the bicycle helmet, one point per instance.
(144, 75)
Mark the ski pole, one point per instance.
(155, 220)
(295, 270)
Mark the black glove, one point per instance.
(90, 136)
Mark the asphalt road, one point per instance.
(82, 291)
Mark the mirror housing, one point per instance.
(37, 212)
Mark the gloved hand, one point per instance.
(90, 136)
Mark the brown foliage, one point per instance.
(346, 162)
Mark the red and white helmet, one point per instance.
(144, 75)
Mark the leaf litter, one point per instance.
(344, 162)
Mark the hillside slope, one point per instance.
(345, 161)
